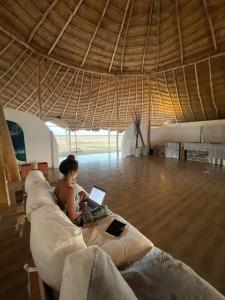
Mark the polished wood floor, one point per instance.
(179, 205)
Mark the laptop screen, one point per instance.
(97, 195)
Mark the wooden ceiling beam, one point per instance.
(55, 89)
(158, 35)
(94, 34)
(148, 35)
(71, 94)
(43, 93)
(210, 25)
(13, 65)
(128, 100)
(78, 102)
(65, 26)
(106, 101)
(21, 88)
(96, 103)
(179, 31)
(151, 101)
(89, 101)
(160, 97)
(47, 12)
(28, 98)
(168, 91)
(212, 90)
(119, 34)
(199, 94)
(178, 96)
(7, 46)
(62, 93)
(188, 96)
(15, 73)
(125, 36)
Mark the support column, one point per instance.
(109, 140)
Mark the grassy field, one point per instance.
(88, 144)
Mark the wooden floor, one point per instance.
(180, 206)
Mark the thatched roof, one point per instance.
(88, 63)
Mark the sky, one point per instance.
(61, 131)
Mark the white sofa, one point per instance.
(84, 263)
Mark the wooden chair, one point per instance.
(25, 169)
(43, 167)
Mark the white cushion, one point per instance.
(33, 177)
(126, 249)
(91, 274)
(39, 193)
(158, 276)
(53, 236)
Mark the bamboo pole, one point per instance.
(21, 88)
(89, 101)
(114, 100)
(43, 79)
(71, 94)
(61, 94)
(188, 96)
(148, 35)
(7, 46)
(212, 91)
(78, 102)
(65, 26)
(39, 87)
(15, 73)
(109, 140)
(210, 24)
(164, 115)
(55, 89)
(150, 97)
(117, 119)
(118, 38)
(128, 100)
(96, 30)
(149, 123)
(106, 101)
(215, 55)
(158, 34)
(199, 94)
(43, 93)
(96, 104)
(177, 92)
(13, 65)
(168, 91)
(179, 31)
(46, 13)
(125, 35)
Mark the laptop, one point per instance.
(96, 198)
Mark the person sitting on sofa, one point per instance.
(66, 193)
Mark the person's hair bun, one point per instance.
(71, 157)
(68, 165)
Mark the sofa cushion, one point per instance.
(159, 276)
(39, 192)
(91, 274)
(53, 236)
(126, 249)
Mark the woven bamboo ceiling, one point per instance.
(89, 63)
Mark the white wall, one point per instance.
(204, 131)
(189, 132)
(40, 143)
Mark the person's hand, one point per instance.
(83, 196)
